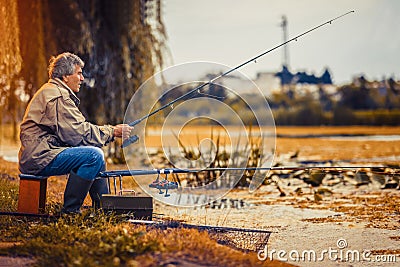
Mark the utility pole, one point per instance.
(284, 25)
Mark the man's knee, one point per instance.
(96, 152)
(93, 162)
(97, 156)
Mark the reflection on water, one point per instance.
(388, 138)
(345, 137)
(212, 198)
(187, 200)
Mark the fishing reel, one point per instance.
(164, 184)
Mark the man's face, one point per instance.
(74, 80)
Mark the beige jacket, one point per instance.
(52, 123)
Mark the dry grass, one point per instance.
(104, 240)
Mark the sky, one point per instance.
(229, 32)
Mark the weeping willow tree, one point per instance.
(121, 42)
(10, 57)
(10, 61)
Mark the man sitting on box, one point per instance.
(56, 139)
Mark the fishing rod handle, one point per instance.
(135, 122)
(132, 139)
(129, 141)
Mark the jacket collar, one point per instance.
(60, 83)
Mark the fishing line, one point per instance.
(135, 138)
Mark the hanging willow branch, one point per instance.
(121, 42)
(10, 56)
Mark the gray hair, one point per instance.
(63, 64)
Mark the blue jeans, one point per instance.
(85, 161)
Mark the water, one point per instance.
(387, 138)
(9, 153)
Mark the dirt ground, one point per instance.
(344, 224)
(359, 225)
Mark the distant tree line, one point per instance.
(361, 102)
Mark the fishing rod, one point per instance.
(134, 138)
(118, 173)
(165, 184)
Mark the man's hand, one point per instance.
(122, 130)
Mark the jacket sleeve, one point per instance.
(72, 128)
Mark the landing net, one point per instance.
(243, 239)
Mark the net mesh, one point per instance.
(243, 239)
(238, 238)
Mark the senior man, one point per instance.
(56, 139)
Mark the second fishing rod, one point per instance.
(135, 138)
